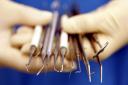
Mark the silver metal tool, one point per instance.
(63, 47)
(53, 28)
(77, 53)
(34, 43)
(97, 56)
(41, 46)
(74, 52)
(93, 40)
(74, 11)
(71, 48)
(48, 43)
(44, 49)
(56, 51)
(71, 51)
(86, 61)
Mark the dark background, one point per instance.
(115, 68)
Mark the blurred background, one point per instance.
(115, 68)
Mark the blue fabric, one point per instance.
(114, 68)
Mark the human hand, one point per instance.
(13, 46)
(109, 23)
(12, 13)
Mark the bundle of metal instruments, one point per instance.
(65, 44)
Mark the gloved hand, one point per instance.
(12, 13)
(108, 22)
(13, 46)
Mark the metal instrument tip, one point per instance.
(40, 70)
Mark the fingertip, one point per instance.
(73, 24)
(47, 17)
(22, 36)
(25, 49)
(66, 24)
(24, 29)
(64, 19)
